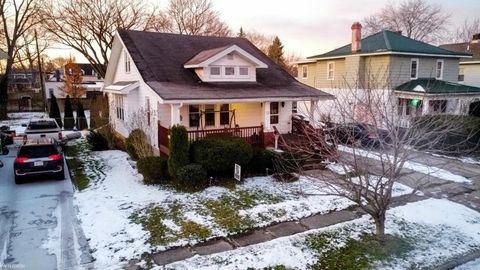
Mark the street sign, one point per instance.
(238, 172)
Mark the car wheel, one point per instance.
(60, 175)
(18, 180)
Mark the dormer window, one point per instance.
(215, 71)
(225, 64)
(243, 71)
(229, 71)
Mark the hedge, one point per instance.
(154, 169)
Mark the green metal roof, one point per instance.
(434, 86)
(388, 41)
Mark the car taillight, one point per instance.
(60, 135)
(21, 160)
(55, 157)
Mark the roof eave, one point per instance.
(391, 53)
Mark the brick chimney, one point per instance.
(356, 37)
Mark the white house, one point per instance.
(214, 86)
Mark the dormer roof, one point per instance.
(206, 57)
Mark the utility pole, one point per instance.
(42, 79)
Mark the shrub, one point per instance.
(179, 155)
(81, 119)
(261, 160)
(219, 155)
(287, 163)
(97, 141)
(69, 121)
(137, 145)
(153, 169)
(192, 176)
(55, 110)
(463, 134)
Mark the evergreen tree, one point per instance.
(179, 150)
(81, 119)
(241, 34)
(55, 110)
(275, 52)
(68, 117)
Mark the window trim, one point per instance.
(333, 70)
(416, 68)
(304, 72)
(441, 70)
(148, 111)
(119, 107)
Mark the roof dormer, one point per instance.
(225, 64)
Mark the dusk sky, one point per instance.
(309, 27)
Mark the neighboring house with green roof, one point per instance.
(424, 77)
(469, 72)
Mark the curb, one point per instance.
(459, 261)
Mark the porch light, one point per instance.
(416, 102)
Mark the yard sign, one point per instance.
(238, 172)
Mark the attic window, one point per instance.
(215, 71)
(229, 71)
(127, 62)
(230, 56)
(244, 71)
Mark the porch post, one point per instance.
(175, 114)
(425, 106)
(266, 116)
(311, 113)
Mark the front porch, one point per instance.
(255, 122)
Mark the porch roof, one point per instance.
(121, 87)
(434, 86)
(235, 91)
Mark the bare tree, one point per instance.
(417, 19)
(368, 169)
(465, 32)
(17, 18)
(191, 17)
(261, 41)
(89, 26)
(72, 82)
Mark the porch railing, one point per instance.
(252, 135)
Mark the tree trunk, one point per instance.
(380, 228)
(4, 97)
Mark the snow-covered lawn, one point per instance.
(414, 166)
(436, 230)
(125, 218)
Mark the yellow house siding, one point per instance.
(376, 71)
(321, 80)
(471, 74)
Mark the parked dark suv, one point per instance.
(42, 157)
(367, 135)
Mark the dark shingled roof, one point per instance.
(434, 86)
(388, 41)
(466, 47)
(204, 55)
(160, 58)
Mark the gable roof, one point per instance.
(160, 59)
(465, 47)
(204, 58)
(392, 42)
(434, 86)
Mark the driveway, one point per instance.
(38, 226)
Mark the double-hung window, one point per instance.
(193, 115)
(209, 115)
(224, 114)
(148, 110)
(273, 112)
(439, 70)
(414, 69)
(330, 70)
(119, 107)
(304, 72)
(127, 62)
